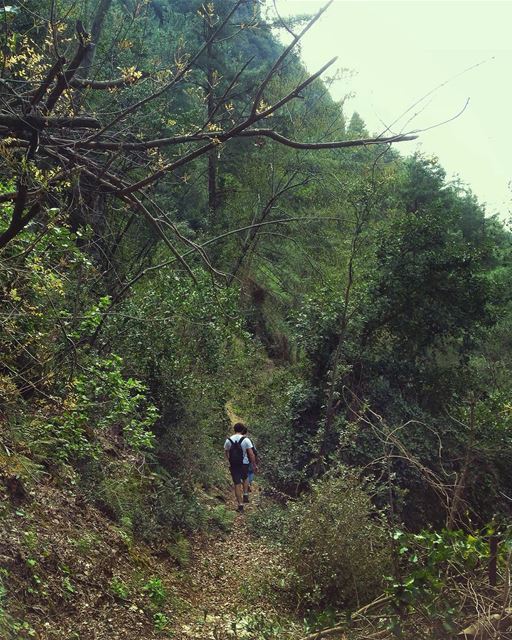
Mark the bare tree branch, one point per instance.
(88, 83)
(179, 75)
(196, 137)
(29, 121)
(35, 128)
(277, 64)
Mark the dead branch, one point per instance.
(38, 122)
(54, 71)
(339, 628)
(101, 85)
(224, 135)
(178, 76)
(278, 63)
(63, 79)
(33, 128)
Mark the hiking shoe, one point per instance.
(240, 508)
(246, 498)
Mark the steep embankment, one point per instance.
(69, 572)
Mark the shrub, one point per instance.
(119, 589)
(222, 517)
(176, 507)
(102, 402)
(156, 591)
(336, 545)
(269, 521)
(122, 492)
(101, 408)
(179, 550)
(86, 543)
(161, 621)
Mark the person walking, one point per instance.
(250, 471)
(238, 450)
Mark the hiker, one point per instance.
(250, 471)
(238, 450)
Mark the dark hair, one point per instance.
(239, 428)
(244, 430)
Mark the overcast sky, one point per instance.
(400, 50)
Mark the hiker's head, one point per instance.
(244, 430)
(240, 428)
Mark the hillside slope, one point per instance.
(68, 571)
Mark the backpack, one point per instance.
(236, 453)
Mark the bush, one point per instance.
(179, 550)
(222, 517)
(122, 491)
(100, 409)
(268, 522)
(443, 574)
(336, 545)
(156, 591)
(176, 507)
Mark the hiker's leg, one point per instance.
(238, 493)
(245, 480)
(236, 474)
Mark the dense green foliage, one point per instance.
(337, 550)
(352, 305)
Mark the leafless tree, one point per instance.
(45, 126)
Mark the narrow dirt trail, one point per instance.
(221, 570)
(222, 575)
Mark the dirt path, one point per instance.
(225, 599)
(222, 572)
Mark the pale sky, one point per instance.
(400, 50)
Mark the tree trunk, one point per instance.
(96, 29)
(460, 484)
(212, 156)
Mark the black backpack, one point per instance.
(236, 453)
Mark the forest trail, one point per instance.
(222, 572)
